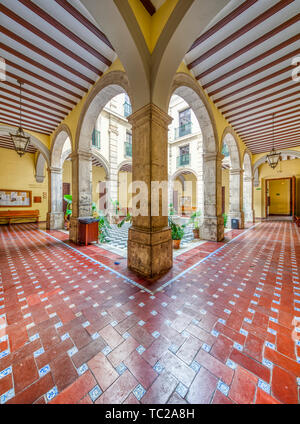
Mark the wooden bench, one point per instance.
(10, 215)
(297, 220)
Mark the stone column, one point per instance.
(200, 179)
(236, 196)
(55, 216)
(213, 222)
(150, 243)
(81, 190)
(113, 174)
(248, 199)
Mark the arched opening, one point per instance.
(103, 131)
(232, 182)
(195, 121)
(248, 189)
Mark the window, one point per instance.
(96, 138)
(128, 137)
(128, 144)
(185, 124)
(127, 106)
(184, 155)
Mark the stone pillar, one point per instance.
(113, 174)
(55, 216)
(81, 190)
(200, 178)
(150, 243)
(236, 197)
(248, 199)
(213, 223)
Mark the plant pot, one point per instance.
(196, 233)
(176, 244)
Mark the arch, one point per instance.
(102, 160)
(188, 19)
(117, 20)
(181, 171)
(4, 129)
(248, 187)
(229, 138)
(124, 163)
(247, 164)
(61, 134)
(39, 168)
(187, 88)
(109, 86)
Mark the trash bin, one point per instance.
(235, 224)
(88, 230)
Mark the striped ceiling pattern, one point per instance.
(57, 51)
(244, 62)
(6, 143)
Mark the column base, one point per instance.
(250, 216)
(236, 215)
(212, 228)
(55, 221)
(150, 254)
(73, 232)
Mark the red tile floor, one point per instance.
(225, 329)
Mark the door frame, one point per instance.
(292, 195)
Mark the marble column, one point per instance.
(213, 224)
(236, 197)
(150, 243)
(55, 216)
(81, 190)
(248, 199)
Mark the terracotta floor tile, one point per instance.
(119, 390)
(202, 388)
(243, 387)
(161, 389)
(103, 371)
(284, 386)
(216, 367)
(77, 390)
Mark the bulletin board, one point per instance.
(16, 199)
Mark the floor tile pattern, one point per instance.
(226, 331)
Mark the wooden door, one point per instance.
(293, 195)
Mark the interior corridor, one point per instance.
(224, 330)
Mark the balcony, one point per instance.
(127, 109)
(96, 139)
(183, 160)
(128, 149)
(183, 130)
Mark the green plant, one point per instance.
(225, 219)
(195, 219)
(68, 199)
(103, 227)
(116, 206)
(172, 210)
(176, 229)
(128, 218)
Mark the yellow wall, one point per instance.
(124, 196)
(280, 197)
(19, 174)
(286, 168)
(225, 183)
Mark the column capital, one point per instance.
(54, 170)
(248, 179)
(150, 112)
(81, 154)
(236, 171)
(208, 156)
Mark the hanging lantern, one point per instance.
(273, 157)
(19, 138)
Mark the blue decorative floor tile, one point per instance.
(106, 350)
(7, 396)
(72, 351)
(140, 349)
(158, 367)
(264, 386)
(173, 348)
(121, 368)
(82, 369)
(206, 347)
(182, 390)
(95, 393)
(139, 392)
(238, 346)
(141, 323)
(51, 394)
(43, 371)
(195, 366)
(231, 364)
(95, 336)
(38, 352)
(223, 388)
(267, 363)
(5, 372)
(155, 334)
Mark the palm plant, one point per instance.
(225, 219)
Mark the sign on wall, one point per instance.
(13, 198)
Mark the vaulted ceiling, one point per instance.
(244, 62)
(56, 51)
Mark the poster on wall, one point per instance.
(13, 198)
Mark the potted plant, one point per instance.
(116, 206)
(195, 220)
(103, 226)
(128, 218)
(177, 233)
(68, 213)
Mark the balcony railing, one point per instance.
(183, 160)
(183, 130)
(128, 149)
(127, 109)
(96, 139)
